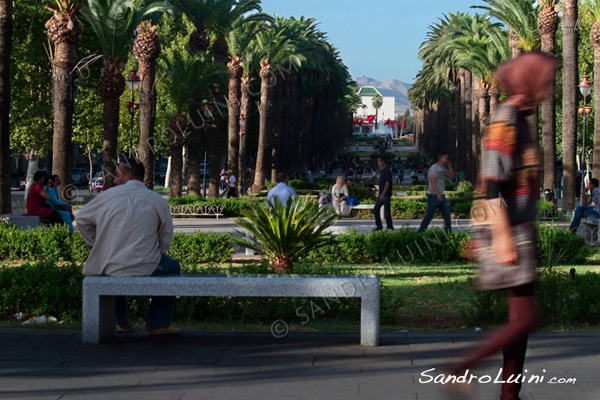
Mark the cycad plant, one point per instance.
(285, 232)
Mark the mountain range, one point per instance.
(392, 87)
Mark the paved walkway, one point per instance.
(53, 364)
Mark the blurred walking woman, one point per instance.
(505, 233)
(339, 195)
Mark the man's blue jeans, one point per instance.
(432, 205)
(387, 212)
(161, 307)
(583, 212)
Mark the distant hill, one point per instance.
(393, 87)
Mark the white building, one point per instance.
(387, 110)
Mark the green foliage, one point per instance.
(465, 187)
(316, 184)
(201, 247)
(36, 289)
(284, 233)
(362, 192)
(561, 301)
(556, 245)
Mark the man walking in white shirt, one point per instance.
(130, 229)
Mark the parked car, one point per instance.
(98, 182)
(79, 176)
(160, 174)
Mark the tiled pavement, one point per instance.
(53, 364)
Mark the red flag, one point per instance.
(403, 123)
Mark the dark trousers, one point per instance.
(511, 339)
(387, 212)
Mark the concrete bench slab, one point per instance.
(98, 319)
(589, 230)
(22, 222)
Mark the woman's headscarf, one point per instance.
(527, 76)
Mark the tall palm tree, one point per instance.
(275, 49)
(182, 71)
(146, 50)
(64, 31)
(547, 26)
(570, 78)
(6, 29)
(377, 102)
(113, 23)
(594, 6)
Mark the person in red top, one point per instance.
(35, 201)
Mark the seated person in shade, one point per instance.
(36, 197)
(62, 207)
(130, 229)
(587, 210)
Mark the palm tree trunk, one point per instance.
(6, 30)
(147, 119)
(195, 128)
(176, 170)
(596, 153)
(468, 135)
(215, 146)
(233, 107)
(570, 69)
(63, 88)
(243, 153)
(110, 123)
(266, 94)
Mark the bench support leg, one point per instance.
(98, 321)
(369, 320)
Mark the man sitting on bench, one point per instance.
(130, 229)
(587, 211)
(35, 202)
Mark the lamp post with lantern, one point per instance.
(133, 81)
(585, 87)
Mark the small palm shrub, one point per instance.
(284, 233)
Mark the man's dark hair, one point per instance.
(441, 155)
(281, 177)
(38, 175)
(134, 165)
(595, 182)
(383, 158)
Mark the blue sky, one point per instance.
(376, 38)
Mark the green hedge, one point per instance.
(57, 244)
(562, 301)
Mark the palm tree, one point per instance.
(146, 50)
(570, 79)
(113, 23)
(6, 29)
(594, 6)
(547, 26)
(275, 48)
(377, 102)
(182, 70)
(64, 31)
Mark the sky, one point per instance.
(376, 38)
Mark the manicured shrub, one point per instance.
(201, 247)
(556, 245)
(43, 288)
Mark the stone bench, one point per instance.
(588, 229)
(98, 319)
(369, 207)
(23, 222)
(196, 211)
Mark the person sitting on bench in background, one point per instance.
(35, 201)
(587, 210)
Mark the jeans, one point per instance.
(161, 307)
(432, 205)
(387, 212)
(583, 212)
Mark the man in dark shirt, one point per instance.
(385, 196)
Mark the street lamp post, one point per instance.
(133, 81)
(585, 87)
